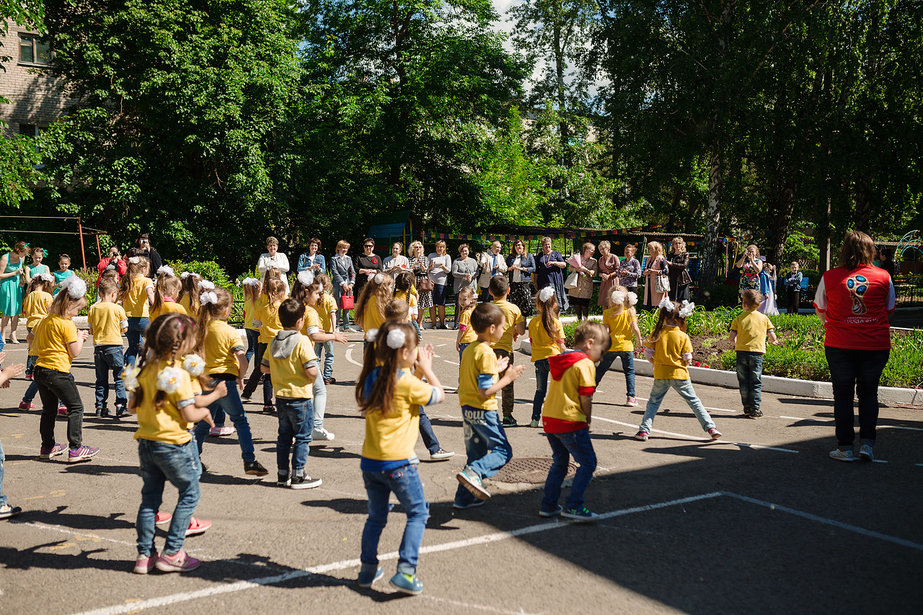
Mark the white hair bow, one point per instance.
(370, 335)
(184, 275)
(47, 277)
(206, 285)
(379, 278)
(632, 298)
(617, 297)
(166, 270)
(208, 297)
(75, 287)
(396, 339)
(545, 294)
(685, 309)
(250, 282)
(306, 277)
(134, 260)
(666, 304)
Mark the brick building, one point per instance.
(35, 95)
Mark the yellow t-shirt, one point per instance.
(562, 403)
(752, 328)
(251, 307)
(464, 320)
(221, 345)
(513, 318)
(325, 306)
(371, 317)
(288, 377)
(620, 330)
(164, 424)
(478, 371)
(186, 302)
(392, 437)
(169, 307)
(544, 345)
(52, 335)
(312, 322)
(268, 315)
(410, 298)
(35, 307)
(135, 303)
(107, 320)
(668, 354)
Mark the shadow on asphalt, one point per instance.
(347, 506)
(77, 521)
(30, 558)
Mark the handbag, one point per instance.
(426, 285)
(347, 301)
(571, 281)
(662, 284)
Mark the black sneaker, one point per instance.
(509, 421)
(282, 480)
(305, 482)
(269, 409)
(255, 468)
(120, 411)
(99, 411)
(753, 413)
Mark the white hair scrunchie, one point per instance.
(206, 285)
(632, 298)
(617, 297)
(685, 309)
(166, 270)
(250, 282)
(184, 275)
(47, 277)
(75, 287)
(208, 297)
(168, 380)
(379, 278)
(396, 338)
(130, 376)
(306, 277)
(666, 304)
(194, 364)
(134, 260)
(370, 335)
(545, 294)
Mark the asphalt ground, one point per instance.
(759, 521)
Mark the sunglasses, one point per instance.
(369, 245)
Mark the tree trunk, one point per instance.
(710, 246)
(785, 208)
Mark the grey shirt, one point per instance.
(462, 267)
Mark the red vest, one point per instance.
(857, 304)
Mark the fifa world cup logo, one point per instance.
(857, 286)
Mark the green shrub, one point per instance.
(210, 270)
(89, 276)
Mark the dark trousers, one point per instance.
(53, 386)
(750, 379)
(792, 299)
(509, 397)
(255, 376)
(855, 372)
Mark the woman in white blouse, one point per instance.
(440, 266)
(397, 262)
(273, 258)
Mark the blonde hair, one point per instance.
(211, 311)
(270, 274)
(272, 241)
(252, 291)
(654, 247)
(630, 247)
(167, 286)
(383, 291)
(190, 286)
(325, 281)
(342, 244)
(605, 245)
(414, 245)
(753, 247)
(63, 302)
(466, 298)
(679, 243)
(275, 290)
(128, 280)
(587, 246)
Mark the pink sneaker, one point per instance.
(642, 436)
(197, 526)
(224, 430)
(178, 562)
(714, 433)
(62, 410)
(26, 405)
(631, 401)
(145, 563)
(162, 518)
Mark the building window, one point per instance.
(28, 130)
(34, 50)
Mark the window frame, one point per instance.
(34, 39)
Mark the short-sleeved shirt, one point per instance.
(478, 371)
(186, 302)
(409, 297)
(312, 321)
(572, 374)
(371, 316)
(221, 345)
(668, 354)
(620, 329)
(856, 304)
(325, 306)
(251, 307)
(270, 326)
(513, 319)
(544, 345)
(135, 303)
(35, 307)
(288, 377)
(392, 437)
(166, 423)
(464, 323)
(752, 328)
(52, 335)
(107, 320)
(168, 307)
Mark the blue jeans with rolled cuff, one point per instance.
(486, 446)
(162, 462)
(405, 483)
(685, 390)
(109, 359)
(563, 446)
(296, 420)
(327, 367)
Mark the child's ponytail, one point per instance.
(190, 288)
(166, 286)
(164, 340)
(136, 265)
(383, 354)
(547, 303)
(213, 304)
(381, 285)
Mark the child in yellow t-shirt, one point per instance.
(748, 334)
(566, 417)
(136, 295)
(478, 383)
(499, 289)
(405, 290)
(108, 322)
(370, 308)
(464, 305)
(327, 311)
(162, 397)
(390, 398)
(189, 293)
(622, 320)
(670, 349)
(166, 291)
(267, 318)
(56, 342)
(34, 308)
(546, 335)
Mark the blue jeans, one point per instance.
(430, 441)
(2, 459)
(327, 347)
(135, 334)
(684, 388)
(563, 445)
(32, 389)
(750, 378)
(319, 391)
(296, 418)
(235, 409)
(461, 351)
(162, 462)
(109, 359)
(541, 388)
(405, 483)
(486, 445)
(253, 337)
(628, 366)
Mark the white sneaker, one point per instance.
(865, 453)
(842, 455)
(441, 455)
(322, 434)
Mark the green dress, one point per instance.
(11, 293)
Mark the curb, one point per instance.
(771, 384)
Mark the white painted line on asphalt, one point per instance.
(702, 439)
(451, 362)
(832, 522)
(349, 356)
(478, 607)
(353, 563)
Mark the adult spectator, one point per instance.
(368, 263)
(144, 248)
(581, 294)
(792, 284)
(440, 266)
(750, 266)
(608, 267)
(549, 271)
(854, 301)
(396, 262)
(520, 265)
(464, 269)
(12, 288)
(344, 278)
(678, 265)
(419, 265)
(313, 259)
(273, 259)
(630, 269)
(113, 261)
(491, 263)
(656, 267)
